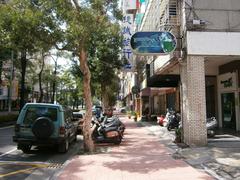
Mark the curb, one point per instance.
(10, 123)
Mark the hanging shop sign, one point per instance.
(153, 43)
(227, 81)
(127, 32)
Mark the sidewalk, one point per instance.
(220, 158)
(140, 156)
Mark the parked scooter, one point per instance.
(169, 115)
(160, 119)
(211, 126)
(173, 121)
(113, 121)
(106, 133)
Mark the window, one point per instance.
(77, 115)
(35, 112)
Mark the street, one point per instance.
(38, 164)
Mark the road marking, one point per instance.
(8, 152)
(28, 170)
(17, 172)
(35, 164)
(6, 127)
(27, 164)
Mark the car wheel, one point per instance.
(63, 148)
(24, 147)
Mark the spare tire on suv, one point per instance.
(43, 127)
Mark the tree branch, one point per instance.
(64, 48)
(75, 2)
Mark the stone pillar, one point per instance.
(193, 101)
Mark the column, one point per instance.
(193, 101)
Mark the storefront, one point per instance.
(229, 98)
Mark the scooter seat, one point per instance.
(111, 128)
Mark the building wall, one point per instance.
(151, 16)
(213, 43)
(3, 92)
(208, 29)
(209, 12)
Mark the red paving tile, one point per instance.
(139, 157)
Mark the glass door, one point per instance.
(228, 110)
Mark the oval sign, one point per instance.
(153, 43)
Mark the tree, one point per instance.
(70, 86)
(106, 62)
(110, 92)
(83, 22)
(27, 26)
(5, 54)
(26, 29)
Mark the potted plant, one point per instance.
(178, 135)
(129, 113)
(134, 116)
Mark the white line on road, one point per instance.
(7, 127)
(8, 152)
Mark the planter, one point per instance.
(178, 135)
(134, 118)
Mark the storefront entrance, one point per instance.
(228, 110)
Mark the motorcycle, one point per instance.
(169, 115)
(113, 121)
(211, 124)
(106, 132)
(160, 119)
(173, 121)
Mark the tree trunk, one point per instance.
(87, 134)
(40, 81)
(23, 72)
(1, 65)
(54, 83)
(105, 100)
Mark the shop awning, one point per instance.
(164, 81)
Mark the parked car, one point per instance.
(78, 117)
(44, 124)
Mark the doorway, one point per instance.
(210, 101)
(228, 110)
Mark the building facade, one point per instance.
(201, 77)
